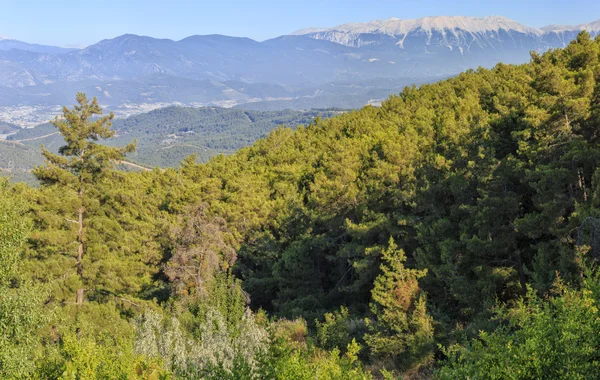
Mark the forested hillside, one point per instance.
(6, 128)
(451, 233)
(164, 136)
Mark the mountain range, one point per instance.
(464, 34)
(345, 66)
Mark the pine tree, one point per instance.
(200, 252)
(403, 332)
(81, 164)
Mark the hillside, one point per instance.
(10, 44)
(7, 128)
(484, 182)
(164, 136)
(449, 234)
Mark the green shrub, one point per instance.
(554, 338)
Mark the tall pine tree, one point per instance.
(80, 165)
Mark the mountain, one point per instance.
(131, 74)
(461, 33)
(9, 44)
(592, 27)
(286, 60)
(562, 34)
(438, 35)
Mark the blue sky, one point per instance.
(83, 22)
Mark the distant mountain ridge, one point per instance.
(306, 67)
(447, 31)
(592, 27)
(398, 27)
(9, 44)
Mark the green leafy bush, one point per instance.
(552, 338)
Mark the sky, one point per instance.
(84, 22)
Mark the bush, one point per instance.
(339, 330)
(554, 338)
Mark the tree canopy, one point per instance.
(450, 233)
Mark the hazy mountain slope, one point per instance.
(9, 44)
(7, 128)
(561, 35)
(133, 73)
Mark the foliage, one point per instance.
(20, 300)
(300, 365)
(403, 331)
(553, 338)
(339, 329)
(200, 251)
(217, 336)
(348, 248)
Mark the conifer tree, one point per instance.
(403, 330)
(81, 163)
